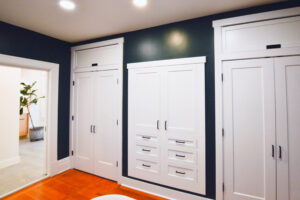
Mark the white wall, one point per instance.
(9, 115)
(38, 112)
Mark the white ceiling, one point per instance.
(98, 18)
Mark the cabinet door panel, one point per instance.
(105, 121)
(83, 121)
(287, 76)
(184, 126)
(144, 121)
(249, 123)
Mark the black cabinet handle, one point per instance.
(146, 165)
(180, 141)
(280, 152)
(274, 46)
(166, 125)
(157, 124)
(273, 151)
(178, 172)
(91, 129)
(94, 64)
(94, 129)
(146, 137)
(147, 150)
(180, 156)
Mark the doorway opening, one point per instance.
(23, 119)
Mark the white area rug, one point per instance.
(113, 197)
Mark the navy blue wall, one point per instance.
(19, 42)
(154, 44)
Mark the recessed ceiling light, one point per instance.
(67, 4)
(140, 3)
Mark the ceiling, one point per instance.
(98, 18)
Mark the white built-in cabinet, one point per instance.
(96, 108)
(258, 106)
(262, 123)
(166, 135)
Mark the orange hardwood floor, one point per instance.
(76, 185)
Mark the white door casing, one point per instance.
(249, 123)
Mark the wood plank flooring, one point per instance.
(76, 185)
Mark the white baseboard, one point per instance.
(9, 162)
(60, 166)
(158, 190)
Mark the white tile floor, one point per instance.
(29, 169)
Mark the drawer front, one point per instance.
(147, 166)
(262, 36)
(182, 142)
(147, 150)
(95, 57)
(182, 156)
(182, 173)
(146, 139)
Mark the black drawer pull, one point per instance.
(180, 141)
(180, 156)
(280, 152)
(274, 46)
(94, 64)
(146, 165)
(178, 172)
(145, 137)
(147, 150)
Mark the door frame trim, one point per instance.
(219, 58)
(52, 106)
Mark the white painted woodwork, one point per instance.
(287, 76)
(96, 107)
(100, 56)
(249, 123)
(166, 135)
(245, 38)
(83, 121)
(105, 121)
(145, 116)
(257, 36)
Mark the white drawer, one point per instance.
(182, 173)
(94, 57)
(152, 167)
(262, 36)
(188, 157)
(182, 142)
(147, 150)
(146, 138)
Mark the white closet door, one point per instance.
(144, 123)
(105, 122)
(83, 122)
(287, 76)
(184, 126)
(249, 123)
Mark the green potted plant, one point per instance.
(27, 98)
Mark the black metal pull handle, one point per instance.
(157, 124)
(273, 46)
(147, 150)
(178, 172)
(94, 129)
(146, 165)
(180, 156)
(91, 129)
(273, 151)
(94, 64)
(146, 137)
(180, 141)
(166, 123)
(280, 152)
